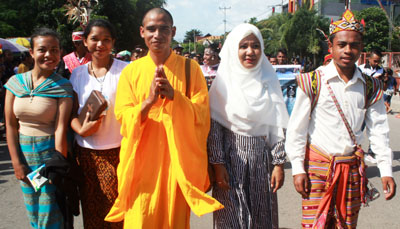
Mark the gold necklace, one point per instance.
(101, 82)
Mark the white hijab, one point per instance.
(246, 101)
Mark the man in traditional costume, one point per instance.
(78, 57)
(324, 133)
(163, 109)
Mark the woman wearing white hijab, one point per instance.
(246, 141)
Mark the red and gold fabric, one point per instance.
(347, 23)
(77, 36)
(72, 61)
(336, 189)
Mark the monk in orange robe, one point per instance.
(163, 160)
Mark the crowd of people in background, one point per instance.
(178, 124)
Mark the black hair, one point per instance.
(100, 23)
(331, 37)
(159, 11)
(282, 50)
(376, 52)
(214, 49)
(44, 32)
(389, 71)
(23, 56)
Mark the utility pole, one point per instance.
(194, 40)
(224, 9)
(391, 27)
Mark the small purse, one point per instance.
(371, 194)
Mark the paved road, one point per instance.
(380, 214)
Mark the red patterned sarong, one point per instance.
(335, 198)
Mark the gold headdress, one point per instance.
(347, 23)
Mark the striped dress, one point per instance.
(35, 111)
(250, 203)
(42, 207)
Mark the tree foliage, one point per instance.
(376, 28)
(189, 35)
(295, 32)
(20, 18)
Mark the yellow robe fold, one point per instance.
(163, 161)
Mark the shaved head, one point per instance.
(159, 11)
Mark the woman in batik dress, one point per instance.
(246, 141)
(98, 142)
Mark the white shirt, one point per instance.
(108, 136)
(368, 70)
(326, 129)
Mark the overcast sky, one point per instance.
(207, 16)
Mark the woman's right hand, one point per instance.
(90, 127)
(221, 176)
(21, 171)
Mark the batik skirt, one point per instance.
(100, 187)
(42, 207)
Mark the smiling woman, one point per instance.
(98, 141)
(38, 107)
(246, 141)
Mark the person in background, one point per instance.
(210, 63)
(296, 61)
(246, 140)
(324, 132)
(268, 56)
(138, 52)
(389, 87)
(165, 120)
(197, 59)
(178, 49)
(281, 56)
(186, 54)
(8, 66)
(372, 67)
(79, 56)
(327, 59)
(2, 90)
(98, 142)
(38, 109)
(273, 60)
(26, 63)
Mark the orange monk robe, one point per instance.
(163, 161)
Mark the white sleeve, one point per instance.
(73, 79)
(297, 131)
(378, 134)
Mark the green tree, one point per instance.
(296, 32)
(189, 35)
(272, 30)
(20, 18)
(252, 21)
(376, 28)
